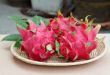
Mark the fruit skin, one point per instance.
(36, 40)
(77, 40)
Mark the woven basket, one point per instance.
(55, 61)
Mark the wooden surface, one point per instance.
(12, 66)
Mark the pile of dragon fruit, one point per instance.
(64, 37)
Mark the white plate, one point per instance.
(95, 55)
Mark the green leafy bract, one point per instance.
(14, 37)
(38, 19)
(23, 23)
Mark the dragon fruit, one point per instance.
(61, 24)
(77, 40)
(78, 45)
(37, 41)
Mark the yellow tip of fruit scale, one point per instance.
(71, 14)
(81, 20)
(86, 19)
(59, 13)
(98, 27)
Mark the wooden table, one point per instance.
(12, 66)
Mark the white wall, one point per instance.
(50, 6)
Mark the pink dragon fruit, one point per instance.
(77, 40)
(61, 24)
(78, 44)
(38, 41)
